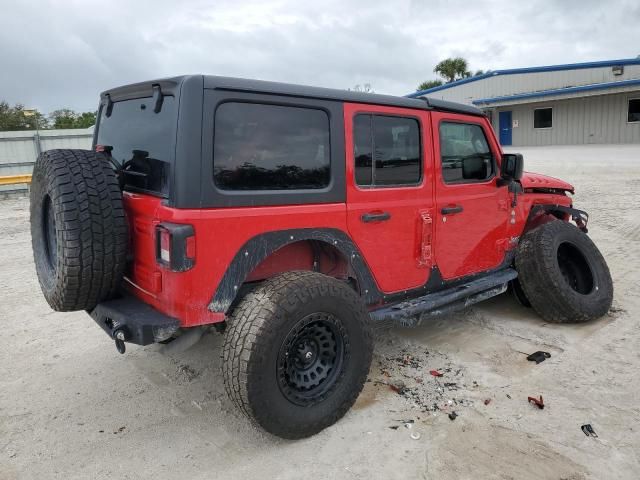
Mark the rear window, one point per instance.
(270, 147)
(141, 140)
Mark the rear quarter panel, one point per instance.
(219, 234)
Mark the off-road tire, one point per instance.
(256, 334)
(583, 292)
(518, 293)
(78, 228)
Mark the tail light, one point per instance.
(104, 149)
(175, 246)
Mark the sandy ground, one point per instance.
(71, 407)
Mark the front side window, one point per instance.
(543, 118)
(386, 150)
(634, 110)
(465, 153)
(270, 147)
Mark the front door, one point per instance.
(504, 123)
(472, 212)
(390, 192)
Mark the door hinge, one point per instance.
(424, 258)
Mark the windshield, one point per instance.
(141, 141)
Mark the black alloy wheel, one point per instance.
(311, 358)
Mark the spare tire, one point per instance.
(78, 228)
(563, 274)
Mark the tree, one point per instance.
(452, 69)
(429, 84)
(17, 118)
(86, 119)
(66, 118)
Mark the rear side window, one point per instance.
(465, 153)
(386, 150)
(270, 147)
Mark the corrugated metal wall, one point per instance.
(19, 150)
(601, 119)
(501, 85)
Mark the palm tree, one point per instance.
(452, 69)
(427, 84)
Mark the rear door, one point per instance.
(390, 192)
(472, 212)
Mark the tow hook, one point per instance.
(119, 336)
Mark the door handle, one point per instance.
(375, 217)
(451, 210)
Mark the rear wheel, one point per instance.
(563, 274)
(297, 353)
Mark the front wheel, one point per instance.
(563, 274)
(297, 353)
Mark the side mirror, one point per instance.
(512, 166)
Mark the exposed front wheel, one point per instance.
(563, 274)
(297, 353)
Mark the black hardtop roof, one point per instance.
(286, 89)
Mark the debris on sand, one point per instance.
(453, 416)
(538, 402)
(588, 430)
(487, 401)
(538, 357)
(185, 373)
(406, 375)
(435, 373)
(398, 386)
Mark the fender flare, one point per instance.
(579, 216)
(258, 248)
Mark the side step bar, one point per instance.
(410, 313)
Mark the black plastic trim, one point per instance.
(261, 246)
(446, 300)
(187, 178)
(140, 323)
(579, 216)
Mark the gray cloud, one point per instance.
(57, 54)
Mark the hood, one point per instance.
(537, 180)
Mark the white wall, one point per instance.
(601, 119)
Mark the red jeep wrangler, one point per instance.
(300, 218)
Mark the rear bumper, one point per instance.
(139, 322)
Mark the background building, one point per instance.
(580, 103)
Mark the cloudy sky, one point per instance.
(56, 53)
